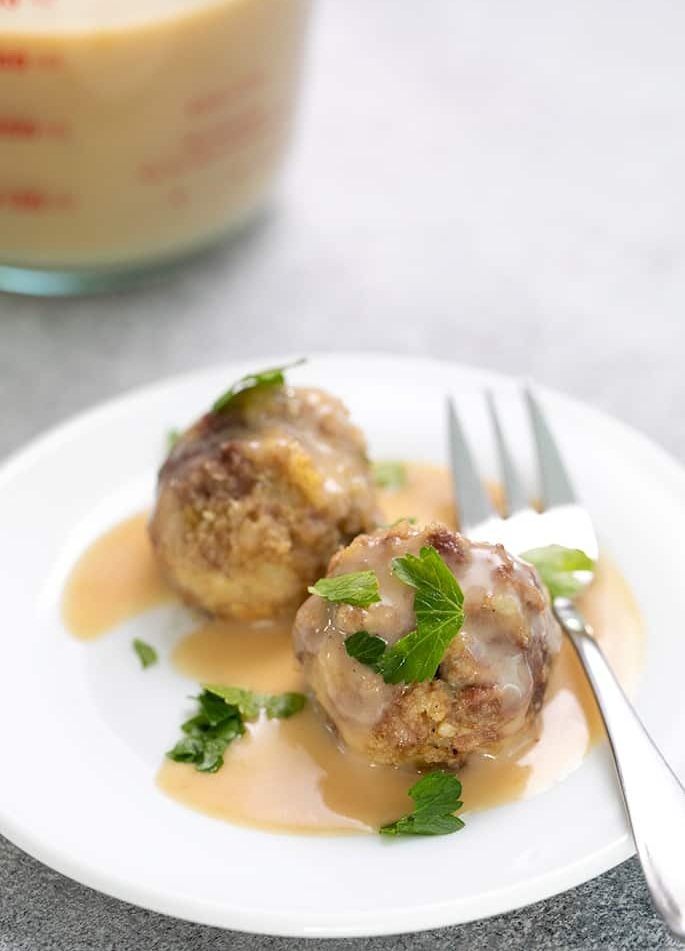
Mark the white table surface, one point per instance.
(495, 182)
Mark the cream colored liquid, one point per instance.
(292, 775)
(139, 128)
(283, 773)
(115, 579)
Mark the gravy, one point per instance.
(292, 774)
(115, 579)
(131, 131)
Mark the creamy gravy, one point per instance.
(283, 774)
(130, 130)
(115, 579)
(292, 774)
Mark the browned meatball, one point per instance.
(491, 680)
(254, 500)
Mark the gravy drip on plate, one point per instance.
(115, 579)
(288, 774)
(293, 774)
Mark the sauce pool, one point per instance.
(292, 775)
(114, 580)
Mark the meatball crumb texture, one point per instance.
(253, 501)
(491, 682)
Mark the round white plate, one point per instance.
(83, 730)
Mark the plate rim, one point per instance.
(413, 918)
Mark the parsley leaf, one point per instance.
(253, 381)
(221, 719)
(245, 701)
(358, 588)
(172, 437)
(280, 706)
(277, 706)
(366, 648)
(389, 475)
(439, 609)
(208, 733)
(556, 566)
(436, 796)
(146, 653)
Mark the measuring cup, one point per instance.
(136, 132)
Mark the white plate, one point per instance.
(83, 730)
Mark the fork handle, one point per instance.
(653, 796)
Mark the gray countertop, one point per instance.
(491, 182)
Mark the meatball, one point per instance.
(253, 501)
(492, 678)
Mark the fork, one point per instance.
(656, 811)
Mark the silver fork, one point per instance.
(653, 796)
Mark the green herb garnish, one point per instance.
(366, 648)
(208, 733)
(358, 588)
(439, 609)
(221, 719)
(172, 437)
(146, 653)
(437, 798)
(556, 566)
(277, 706)
(253, 381)
(389, 475)
(245, 701)
(280, 706)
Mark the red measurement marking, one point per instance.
(55, 130)
(210, 145)
(13, 4)
(231, 132)
(64, 202)
(28, 199)
(49, 61)
(215, 99)
(13, 59)
(19, 59)
(17, 128)
(35, 200)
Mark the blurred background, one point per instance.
(491, 182)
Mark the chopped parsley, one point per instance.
(172, 437)
(358, 588)
(146, 653)
(439, 609)
(389, 475)
(366, 648)
(437, 797)
(278, 706)
(251, 382)
(557, 565)
(220, 719)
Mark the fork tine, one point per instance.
(555, 483)
(516, 499)
(472, 500)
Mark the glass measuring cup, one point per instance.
(135, 132)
